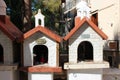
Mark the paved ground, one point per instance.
(108, 74)
(111, 74)
(60, 76)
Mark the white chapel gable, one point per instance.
(86, 32)
(39, 39)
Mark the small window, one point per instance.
(113, 45)
(40, 53)
(39, 21)
(94, 18)
(1, 54)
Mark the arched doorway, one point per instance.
(85, 51)
(40, 53)
(1, 54)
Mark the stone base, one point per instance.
(85, 74)
(86, 65)
(40, 76)
(93, 74)
(9, 75)
(8, 67)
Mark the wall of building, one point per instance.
(40, 76)
(7, 45)
(31, 42)
(108, 17)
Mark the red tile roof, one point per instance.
(10, 29)
(78, 25)
(45, 31)
(41, 69)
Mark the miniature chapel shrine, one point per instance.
(85, 42)
(36, 52)
(9, 40)
(41, 51)
(85, 45)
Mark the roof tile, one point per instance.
(41, 69)
(79, 23)
(10, 29)
(45, 31)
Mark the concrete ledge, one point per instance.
(86, 65)
(7, 67)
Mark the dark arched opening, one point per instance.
(40, 54)
(1, 54)
(85, 51)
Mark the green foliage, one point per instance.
(52, 5)
(14, 10)
(51, 10)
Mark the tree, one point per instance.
(22, 13)
(51, 10)
(15, 12)
(27, 14)
(52, 5)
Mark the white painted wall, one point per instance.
(108, 17)
(101, 4)
(28, 50)
(40, 76)
(84, 76)
(94, 39)
(7, 45)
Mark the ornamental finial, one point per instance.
(39, 17)
(82, 9)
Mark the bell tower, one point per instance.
(83, 10)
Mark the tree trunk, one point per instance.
(16, 13)
(27, 15)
